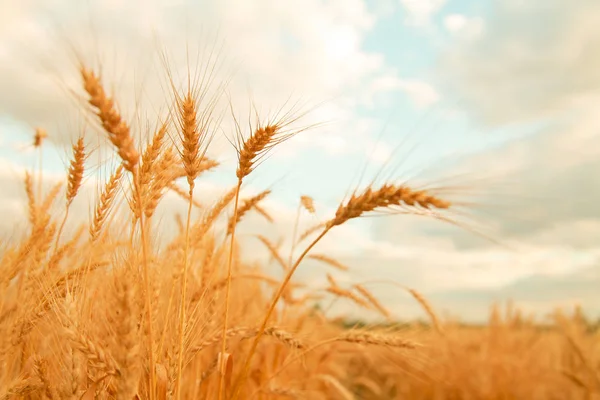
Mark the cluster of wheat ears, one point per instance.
(106, 314)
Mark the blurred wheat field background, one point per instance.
(137, 299)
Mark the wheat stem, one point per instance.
(295, 233)
(147, 298)
(182, 315)
(228, 287)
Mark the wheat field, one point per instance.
(104, 312)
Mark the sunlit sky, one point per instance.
(498, 98)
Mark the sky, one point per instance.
(493, 102)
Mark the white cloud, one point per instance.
(420, 12)
(464, 26)
(455, 22)
(379, 153)
(517, 72)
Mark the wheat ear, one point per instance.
(428, 309)
(385, 197)
(118, 131)
(376, 339)
(103, 207)
(76, 169)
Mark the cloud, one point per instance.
(455, 22)
(420, 12)
(553, 184)
(534, 60)
(520, 70)
(464, 26)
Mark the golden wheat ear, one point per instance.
(387, 196)
(103, 207)
(76, 170)
(117, 129)
(74, 181)
(264, 137)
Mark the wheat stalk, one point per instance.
(194, 133)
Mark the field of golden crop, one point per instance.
(108, 311)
